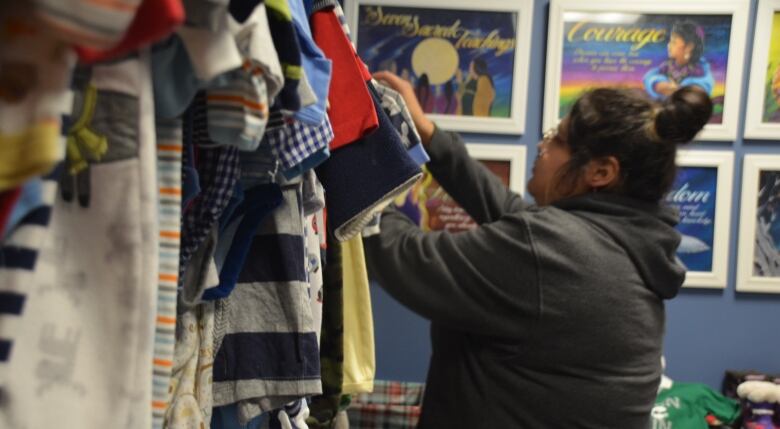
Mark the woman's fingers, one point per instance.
(394, 81)
(424, 126)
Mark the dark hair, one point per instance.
(692, 33)
(449, 92)
(481, 69)
(642, 135)
(423, 89)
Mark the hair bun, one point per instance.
(683, 115)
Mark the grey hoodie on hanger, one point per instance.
(542, 317)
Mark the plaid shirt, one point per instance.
(218, 171)
(296, 141)
(392, 405)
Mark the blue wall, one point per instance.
(708, 331)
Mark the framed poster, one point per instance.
(434, 210)
(763, 108)
(653, 46)
(702, 194)
(467, 60)
(758, 264)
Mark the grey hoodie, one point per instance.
(542, 317)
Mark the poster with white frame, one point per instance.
(763, 108)
(429, 205)
(468, 61)
(758, 264)
(655, 47)
(702, 194)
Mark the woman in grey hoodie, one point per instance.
(548, 315)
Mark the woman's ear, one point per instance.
(602, 172)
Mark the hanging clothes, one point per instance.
(355, 117)
(153, 20)
(191, 382)
(8, 201)
(94, 25)
(85, 345)
(359, 357)
(324, 408)
(379, 170)
(184, 262)
(218, 170)
(289, 51)
(19, 255)
(169, 156)
(314, 231)
(316, 67)
(34, 94)
(238, 108)
(267, 349)
(395, 107)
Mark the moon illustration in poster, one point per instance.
(460, 62)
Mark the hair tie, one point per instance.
(650, 125)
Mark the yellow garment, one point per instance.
(30, 153)
(484, 96)
(359, 359)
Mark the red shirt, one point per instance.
(154, 20)
(351, 109)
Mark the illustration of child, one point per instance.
(685, 66)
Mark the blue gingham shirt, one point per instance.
(296, 141)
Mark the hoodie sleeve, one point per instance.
(484, 197)
(482, 281)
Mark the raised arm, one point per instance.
(484, 197)
(482, 281)
(480, 192)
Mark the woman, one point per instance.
(478, 92)
(548, 316)
(423, 94)
(446, 102)
(685, 66)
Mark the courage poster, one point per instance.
(649, 52)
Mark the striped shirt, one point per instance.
(169, 155)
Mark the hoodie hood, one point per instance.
(645, 230)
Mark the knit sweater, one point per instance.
(542, 317)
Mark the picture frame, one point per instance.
(625, 43)
(428, 205)
(702, 193)
(467, 60)
(758, 262)
(762, 120)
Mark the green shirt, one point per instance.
(685, 406)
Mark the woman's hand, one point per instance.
(425, 126)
